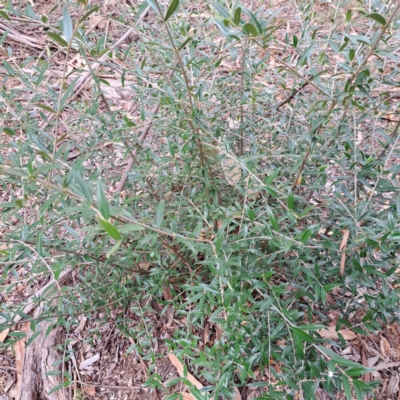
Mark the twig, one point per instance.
(15, 35)
(80, 84)
(31, 304)
(131, 160)
(241, 141)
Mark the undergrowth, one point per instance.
(264, 195)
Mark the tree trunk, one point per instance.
(40, 356)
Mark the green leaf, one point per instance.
(4, 15)
(57, 269)
(221, 9)
(255, 21)
(250, 29)
(237, 16)
(378, 18)
(311, 327)
(67, 93)
(160, 213)
(9, 68)
(348, 16)
(58, 387)
(67, 24)
(109, 228)
(130, 228)
(305, 235)
(9, 131)
(271, 178)
(3, 37)
(171, 9)
(357, 371)
(290, 200)
(304, 336)
(346, 387)
(83, 186)
(155, 7)
(57, 38)
(90, 12)
(352, 54)
(54, 373)
(272, 219)
(102, 203)
(116, 246)
(344, 361)
(44, 107)
(39, 244)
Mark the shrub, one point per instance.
(262, 187)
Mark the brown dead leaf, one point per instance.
(19, 349)
(384, 346)
(3, 246)
(144, 265)
(220, 332)
(237, 395)
(343, 246)
(342, 263)
(3, 335)
(187, 396)
(331, 333)
(393, 386)
(206, 333)
(89, 390)
(167, 292)
(179, 368)
(82, 323)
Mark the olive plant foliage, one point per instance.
(263, 190)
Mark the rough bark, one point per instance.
(40, 356)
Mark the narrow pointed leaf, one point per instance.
(67, 24)
(153, 5)
(236, 17)
(102, 203)
(250, 29)
(160, 213)
(171, 9)
(44, 107)
(290, 201)
(94, 9)
(82, 185)
(109, 228)
(116, 246)
(378, 18)
(57, 38)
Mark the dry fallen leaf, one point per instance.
(19, 349)
(237, 395)
(3, 246)
(179, 368)
(89, 390)
(88, 362)
(3, 335)
(384, 346)
(343, 246)
(187, 396)
(82, 323)
(331, 333)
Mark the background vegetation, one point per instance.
(230, 163)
